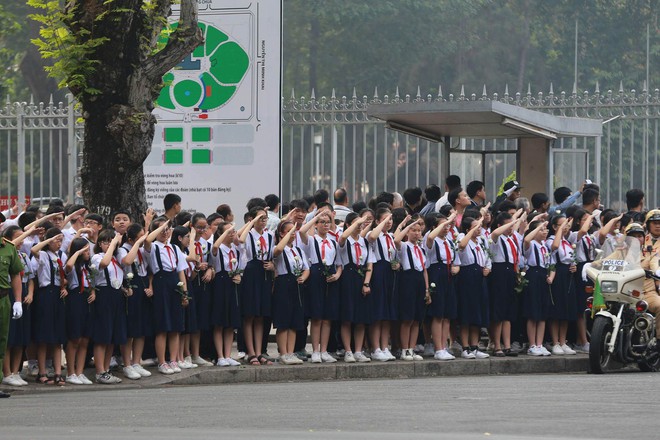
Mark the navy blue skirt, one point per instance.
(225, 303)
(256, 290)
(78, 315)
(167, 308)
(49, 316)
(354, 306)
(321, 298)
(109, 316)
(580, 290)
(20, 329)
(536, 296)
(190, 312)
(473, 303)
(136, 304)
(443, 299)
(563, 295)
(383, 284)
(288, 308)
(411, 292)
(501, 285)
(201, 293)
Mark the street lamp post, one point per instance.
(318, 139)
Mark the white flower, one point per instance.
(296, 259)
(522, 274)
(54, 259)
(129, 276)
(433, 285)
(92, 266)
(616, 232)
(116, 284)
(179, 284)
(573, 246)
(233, 261)
(392, 252)
(558, 212)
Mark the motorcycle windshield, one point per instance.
(619, 254)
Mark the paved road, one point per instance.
(530, 406)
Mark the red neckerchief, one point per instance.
(420, 256)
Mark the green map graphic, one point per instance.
(209, 77)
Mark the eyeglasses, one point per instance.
(201, 228)
(324, 222)
(91, 223)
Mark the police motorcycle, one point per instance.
(623, 330)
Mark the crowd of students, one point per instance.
(400, 277)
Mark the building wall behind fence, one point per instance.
(369, 157)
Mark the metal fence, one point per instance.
(331, 142)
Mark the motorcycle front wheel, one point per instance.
(599, 357)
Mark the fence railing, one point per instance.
(331, 142)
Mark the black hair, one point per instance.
(271, 201)
(473, 188)
(309, 199)
(280, 229)
(121, 211)
(453, 182)
(11, 230)
(320, 196)
(446, 210)
(132, 232)
(358, 206)
(577, 215)
(608, 216)
(506, 206)
(213, 217)
(26, 219)
(75, 246)
(256, 201)
(412, 196)
(52, 209)
(95, 217)
(73, 208)
(324, 205)
(589, 196)
(552, 225)
(104, 235)
(381, 212)
(178, 233)
(220, 230)
(195, 218)
(634, 198)
(224, 210)
(398, 214)
(431, 221)
(539, 199)
(155, 223)
(466, 224)
(385, 197)
(182, 218)
(301, 204)
(501, 218)
(561, 194)
(170, 200)
(472, 211)
(533, 225)
(453, 195)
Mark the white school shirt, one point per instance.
(263, 244)
(564, 254)
(294, 256)
(30, 266)
(68, 233)
(48, 262)
(114, 270)
(438, 247)
(225, 256)
(327, 250)
(386, 241)
(74, 283)
(28, 242)
(141, 261)
(203, 248)
(366, 256)
(538, 255)
(336, 234)
(585, 249)
(504, 250)
(473, 253)
(168, 257)
(418, 258)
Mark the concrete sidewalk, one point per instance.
(335, 371)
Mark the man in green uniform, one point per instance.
(10, 282)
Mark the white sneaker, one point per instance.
(419, 348)
(164, 368)
(222, 362)
(113, 378)
(349, 358)
(84, 379)
(113, 362)
(544, 351)
(534, 351)
(429, 350)
(360, 357)
(201, 362)
(567, 349)
(480, 354)
(175, 367)
(326, 357)
(389, 355)
(557, 350)
(233, 363)
(294, 360)
(185, 365)
(316, 357)
(141, 370)
(466, 354)
(444, 355)
(188, 360)
(11, 381)
(20, 379)
(151, 362)
(130, 373)
(378, 355)
(240, 355)
(417, 357)
(581, 348)
(406, 354)
(73, 379)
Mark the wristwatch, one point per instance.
(366, 285)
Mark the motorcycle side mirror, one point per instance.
(599, 252)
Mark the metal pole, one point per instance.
(333, 134)
(575, 67)
(73, 150)
(20, 138)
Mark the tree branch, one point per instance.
(182, 41)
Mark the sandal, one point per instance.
(44, 379)
(263, 360)
(59, 380)
(499, 353)
(253, 360)
(510, 353)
